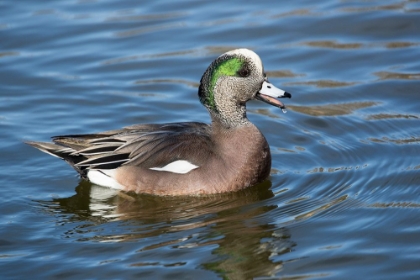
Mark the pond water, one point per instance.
(343, 198)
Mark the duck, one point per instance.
(184, 158)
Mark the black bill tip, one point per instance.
(286, 94)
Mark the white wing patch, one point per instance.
(179, 166)
(104, 177)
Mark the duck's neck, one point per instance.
(230, 116)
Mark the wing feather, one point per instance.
(152, 145)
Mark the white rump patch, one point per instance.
(104, 177)
(179, 166)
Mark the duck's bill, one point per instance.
(269, 94)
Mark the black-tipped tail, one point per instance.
(65, 153)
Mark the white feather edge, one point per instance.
(105, 177)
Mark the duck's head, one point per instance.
(230, 81)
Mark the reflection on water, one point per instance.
(149, 29)
(145, 17)
(391, 116)
(5, 54)
(411, 140)
(282, 74)
(169, 81)
(323, 83)
(384, 75)
(244, 246)
(332, 109)
(399, 6)
(344, 46)
(231, 224)
(333, 44)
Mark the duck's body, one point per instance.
(184, 158)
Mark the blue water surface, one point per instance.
(342, 200)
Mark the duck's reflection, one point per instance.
(236, 223)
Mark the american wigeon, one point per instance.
(184, 158)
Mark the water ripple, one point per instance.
(343, 191)
(332, 109)
(385, 75)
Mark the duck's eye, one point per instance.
(244, 72)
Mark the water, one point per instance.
(343, 195)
